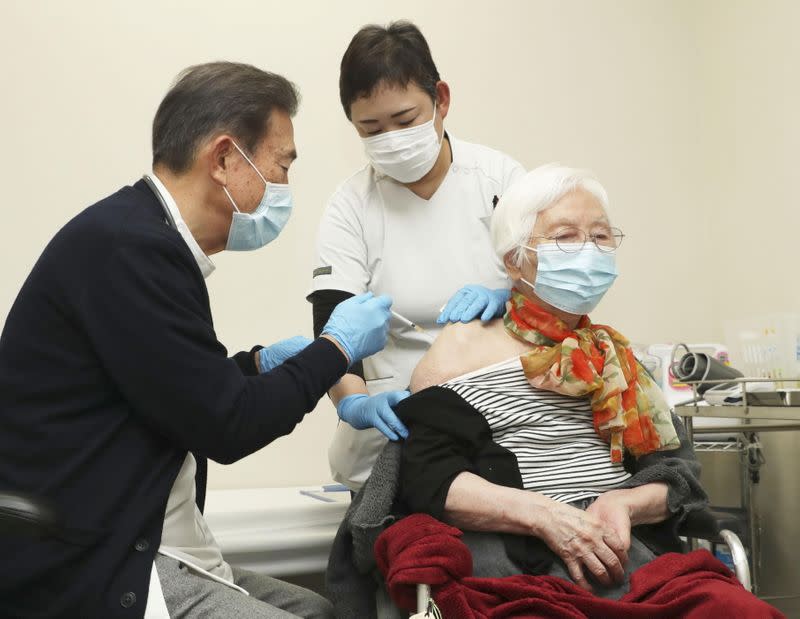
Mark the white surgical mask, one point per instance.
(405, 154)
(573, 282)
(254, 230)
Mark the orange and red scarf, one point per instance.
(628, 408)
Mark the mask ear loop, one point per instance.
(227, 193)
(527, 259)
(252, 165)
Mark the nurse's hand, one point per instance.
(473, 301)
(271, 357)
(362, 411)
(360, 325)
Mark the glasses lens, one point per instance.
(608, 239)
(569, 239)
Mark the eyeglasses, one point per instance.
(572, 240)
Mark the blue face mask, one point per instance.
(254, 230)
(573, 282)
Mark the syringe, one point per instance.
(414, 326)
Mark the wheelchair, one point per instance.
(714, 526)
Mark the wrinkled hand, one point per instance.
(584, 541)
(362, 411)
(271, 357)
(473, 301)
(615, 513)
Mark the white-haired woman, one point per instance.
(542, 424)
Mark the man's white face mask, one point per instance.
(405, 154)
(250, 231)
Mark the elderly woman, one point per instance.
(542, 426)
(542, 438)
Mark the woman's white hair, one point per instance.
(539, 189)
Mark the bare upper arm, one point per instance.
(460, 348)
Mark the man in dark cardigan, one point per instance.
(114, 388)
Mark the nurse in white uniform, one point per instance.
(412, 224)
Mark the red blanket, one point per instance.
(421, 550)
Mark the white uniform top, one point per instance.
(377, 235)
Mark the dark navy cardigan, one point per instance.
(110, 372)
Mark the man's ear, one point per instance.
(217, 153)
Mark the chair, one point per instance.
(24, 515)
(706, 524)
(719, 526)
(351, 567)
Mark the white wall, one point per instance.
(752, 55)
(655, 96)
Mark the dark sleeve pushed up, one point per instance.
(447, 436)
(680, 470)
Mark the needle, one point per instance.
(414, 326)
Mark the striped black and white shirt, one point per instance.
(558, 452)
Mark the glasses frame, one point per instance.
(615, 232)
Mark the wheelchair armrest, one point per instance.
(721, 526)
(700, 524)
(708, 522)
(21, 514)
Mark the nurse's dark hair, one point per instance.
(394, 55)
(213, 98)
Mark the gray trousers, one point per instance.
(190, 596)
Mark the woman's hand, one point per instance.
(626, 508)
(596, 539)
(614, 510)
(584, 541)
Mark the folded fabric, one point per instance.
(421, 550)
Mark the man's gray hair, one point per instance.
(213, 98)
(539, 189)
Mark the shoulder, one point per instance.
(355, 192)
(126, 216)
(462, 348)
(496, 166)
(129, 221)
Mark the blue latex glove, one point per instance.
(360, 324)
(271, 357)
(363, 411)
(473, 301)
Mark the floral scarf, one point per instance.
(628, 408)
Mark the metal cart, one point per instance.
(756, 418)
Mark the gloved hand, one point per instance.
(473, 301)
(363, 411)
(360, 324)
(270, 357)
